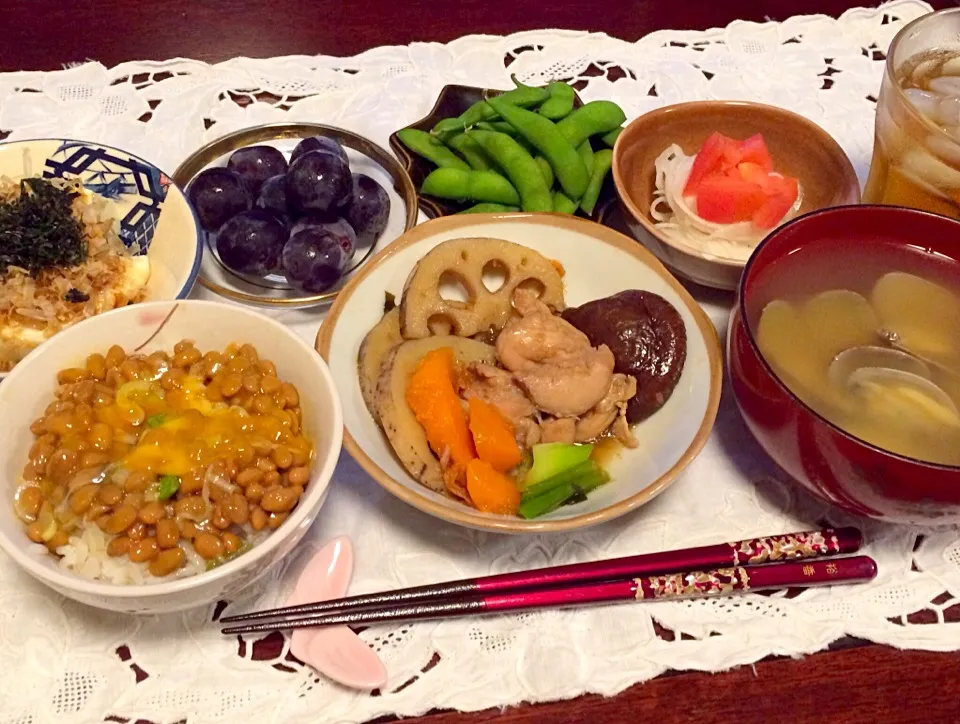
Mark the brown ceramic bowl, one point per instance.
(800, 148)
(452, 101)
(829, 462)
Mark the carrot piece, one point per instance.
(491, 491)
(433, 399)
(493, 436)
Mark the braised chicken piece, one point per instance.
(558, 429)
(552, 360)
(496, 386)
(611, 410)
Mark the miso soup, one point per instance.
(869, 338)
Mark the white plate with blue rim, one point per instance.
(150, 213)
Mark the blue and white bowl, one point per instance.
(154, 216)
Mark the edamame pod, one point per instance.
(476, 113)
(520, 168)
(611, 138)
(499, 126)
(586, 153)
(454, 183)
(545, 169)
(560, 102)
(423, 144)
(563, 204)
(545, 136)
(602, 160)
(471, 151)
(592, 119)
(488, 208)
(522, 96)
(504, 127)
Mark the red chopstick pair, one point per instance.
(694, 572)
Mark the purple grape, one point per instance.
(339, 228)
(217, 194)
(273, 196)
(319, 143)
(312, 259)
(370, 208)
(252, 242)
(255, 164)
(318, 181)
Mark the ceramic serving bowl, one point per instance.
(155, 219)
(365, 157)
(599, 262)
(452, 101)
(800, 148)
(158, 326)
(840, 468)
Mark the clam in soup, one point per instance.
(872, 345)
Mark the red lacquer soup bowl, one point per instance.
(842, 469)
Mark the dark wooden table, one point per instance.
(855, 681)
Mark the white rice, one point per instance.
(85, 554)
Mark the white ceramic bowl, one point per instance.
(158, 326)
(599, 262)
(153, 215)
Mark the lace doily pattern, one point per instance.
(71, 664)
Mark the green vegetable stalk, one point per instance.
(569, 486)
(551, 458)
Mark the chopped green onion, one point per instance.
(244, 547)
(156, 420)
(570, 486)
(568, 475)
(593, 481)
(543, 504)
(168, 485)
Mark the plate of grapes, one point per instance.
(290, 211)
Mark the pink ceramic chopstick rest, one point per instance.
(334, 651)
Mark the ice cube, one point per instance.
(945, 85)
(930, 171)
(925, 102)
(947, 149)
(948, 111)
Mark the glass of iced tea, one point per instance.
(916, 155)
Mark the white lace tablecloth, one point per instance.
(62, 662)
